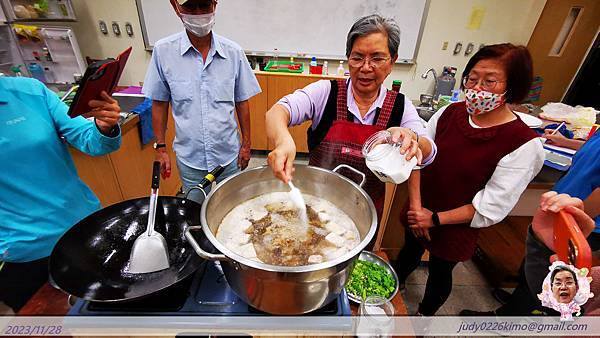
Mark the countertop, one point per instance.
(546, 178)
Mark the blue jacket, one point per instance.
(41, 195)
(584, 175)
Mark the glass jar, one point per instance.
(376, 317)
(384, 159)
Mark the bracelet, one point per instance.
(416, 135)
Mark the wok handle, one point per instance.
(198, 249)
(155, 174)
(362, 175)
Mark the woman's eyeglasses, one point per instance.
(568, 283)
(375, 62)
(471, 81)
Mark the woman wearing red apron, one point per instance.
(486, 158)
(344, 113)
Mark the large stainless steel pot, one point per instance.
(282, 289)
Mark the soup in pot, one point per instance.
(269, 229)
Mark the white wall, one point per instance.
(98, 46)
(504, 21)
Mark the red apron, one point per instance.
(344, 140)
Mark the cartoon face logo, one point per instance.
(564, 285)
(565, 289)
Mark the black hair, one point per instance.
(517, 66)
(563, 268)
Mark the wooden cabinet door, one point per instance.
(98, 174)
(558, 67)
(258, 109)
(279, 86)
(133, 164)
(299, 132)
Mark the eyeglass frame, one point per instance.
(567, 283)
(368, 61)
(481, 83)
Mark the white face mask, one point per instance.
(199, 25)
(481, 101)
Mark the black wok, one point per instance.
(90, 260)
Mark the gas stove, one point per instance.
(206, 293)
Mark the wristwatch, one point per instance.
(159, 145)
(435, 219)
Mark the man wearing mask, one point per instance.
(205, 77)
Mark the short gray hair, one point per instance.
(372, 24)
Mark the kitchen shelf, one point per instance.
(42, 20)
(29, 11)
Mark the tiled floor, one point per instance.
(470, 291)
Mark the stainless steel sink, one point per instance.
(127, 103)
(425, 112)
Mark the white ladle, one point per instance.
(298, 200)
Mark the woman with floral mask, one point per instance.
(486, 157)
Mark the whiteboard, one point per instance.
(302, 28)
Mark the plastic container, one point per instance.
(445, 84)
(325, 68)
(455, 94)
(316, 70)
(37, 72)
(284, 67)
(340, 69)
(384, 159)
(313, 62)
(443, 101)
(396, 85)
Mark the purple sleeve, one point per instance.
(307, 103)
(412, 120)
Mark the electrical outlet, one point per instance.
(116, 29)
(469, 49)
(445, 45)
(129, 29)
(457, 48)
(103, 27)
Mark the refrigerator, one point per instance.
(47, 46)
(9, 51)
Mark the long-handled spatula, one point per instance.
(149, 253)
